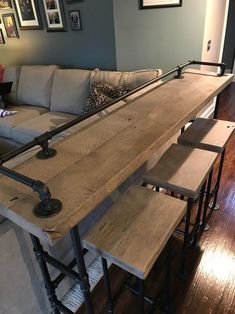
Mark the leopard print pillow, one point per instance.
(102, 93)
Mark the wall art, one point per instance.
(54, 15)
(150, 4)
(10, 25)
(28, 14)
(75, 20)
(2, 40)
(5, 4)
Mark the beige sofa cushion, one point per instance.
(35, 83)
(28, 130)
(69, 90)
(12, 74)
(25, 113)
(131, 79)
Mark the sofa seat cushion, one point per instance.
(69, 90)
(28, 130)
(35, 83)
(25, 113)
(130, 79)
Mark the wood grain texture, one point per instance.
(94, 161)
(210, 288)
(207, 134)
(182, 169)
(136, 228)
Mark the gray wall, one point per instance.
(94, 46)
(158, 37)
(141, 39)
(229, 43)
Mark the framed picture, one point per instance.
(10, 25)
(75, 20)
(149, 4)
(54, 15)
(28, 14)
(2, 40)
(5, 4)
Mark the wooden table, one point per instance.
(95, 161)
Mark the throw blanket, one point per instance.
(5, 113)
(102, 93)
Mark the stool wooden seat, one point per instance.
(211, 135)
(135, 229)
(207, 134)
(133, 233)
(182, 169)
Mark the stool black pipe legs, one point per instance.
(167, 284)
(208, 192)
(84, 284)
(107, 286)
(217, 106)
(218, 179)
(198, 219)
(38, 250)
(186, 239)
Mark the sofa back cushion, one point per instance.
(35, 83)
(12, 74)
(130, 79)
(69, 90)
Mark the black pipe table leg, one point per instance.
(84, 284)
(38, 250)
(107, 286)
(141, 295)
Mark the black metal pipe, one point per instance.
(48, 135)
(47, 206)
(61, 267)
(218, 178)
(84, 283)
(63, 308)
(50, 289)
(61, 276)
(213, 64)
(108, 290)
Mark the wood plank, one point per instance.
(208, 134)
(82, 175)
(121, 235)
(182, 169)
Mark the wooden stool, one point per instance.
(184, 170)
(133, 233)
(211, 135)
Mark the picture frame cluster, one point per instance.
(29, 16)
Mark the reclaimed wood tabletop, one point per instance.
(94, 161)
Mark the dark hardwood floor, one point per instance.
(210, 288)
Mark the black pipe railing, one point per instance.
(48, 206)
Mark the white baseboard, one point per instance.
(209, 111)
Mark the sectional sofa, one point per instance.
(47, 97)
